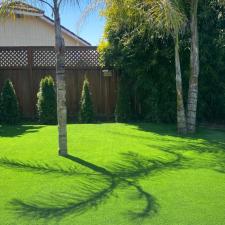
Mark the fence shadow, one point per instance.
(18, 130)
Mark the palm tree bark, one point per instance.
(194, 61)
(61, 85)
(181, 118)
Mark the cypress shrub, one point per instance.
(46, 103)
(86, 114)
(9, 107)
(123, 104)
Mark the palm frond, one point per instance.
(165, 15)
(92, 6)
(6, 7)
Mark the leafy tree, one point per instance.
(148, 62)
(211, 22)
(46, 104)
(9, 111)
(86, 114)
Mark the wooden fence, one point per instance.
(26, 66)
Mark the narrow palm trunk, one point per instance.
(181, 118)
(194, 61)
(61, 86)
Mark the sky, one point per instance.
(91, 29)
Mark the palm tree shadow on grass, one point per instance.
(56, 206)
(92, 193)
(41, 168)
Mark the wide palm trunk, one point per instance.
(181, 118)
(61, 86)
(194, 61)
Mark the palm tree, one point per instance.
(60, 67)
(167, 16)
(60, 79)
(194, 64)
(60, 76)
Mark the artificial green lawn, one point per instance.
(115, 174)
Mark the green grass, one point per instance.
(115, 174)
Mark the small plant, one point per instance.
(9, 107)
(86, 114)
(123, 104)
(46, 103)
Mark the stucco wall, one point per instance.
(30, 31)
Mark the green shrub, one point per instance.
(123, 104)
(46, 103)
(9, 107)
(86, 114)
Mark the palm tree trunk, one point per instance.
(61, 85)
(181, 118)
(194, 60)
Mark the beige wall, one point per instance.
(30, 31)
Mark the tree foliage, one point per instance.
(46, 103)
(148, 62)
(9, 107)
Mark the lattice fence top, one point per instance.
(45, 57)
(13, 58)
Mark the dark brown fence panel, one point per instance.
(21, 81)
(26, 66)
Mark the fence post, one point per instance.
(107, 86)
(30, 72)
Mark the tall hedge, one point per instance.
(86, 114)
(148, 63)
(9, 107)
(123, 104)
(46, 103)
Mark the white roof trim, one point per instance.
(64, 31)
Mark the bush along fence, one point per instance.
(46, 103)
(86, 114)
(26, 66)
(9, 107)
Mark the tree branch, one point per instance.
(45, 2)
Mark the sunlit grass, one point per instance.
(117, 174)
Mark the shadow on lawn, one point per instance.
(92, 193)
(123, 174)
(202, 142)
(171, 130)
(40, 168)
(58, 205)
(13, 131)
